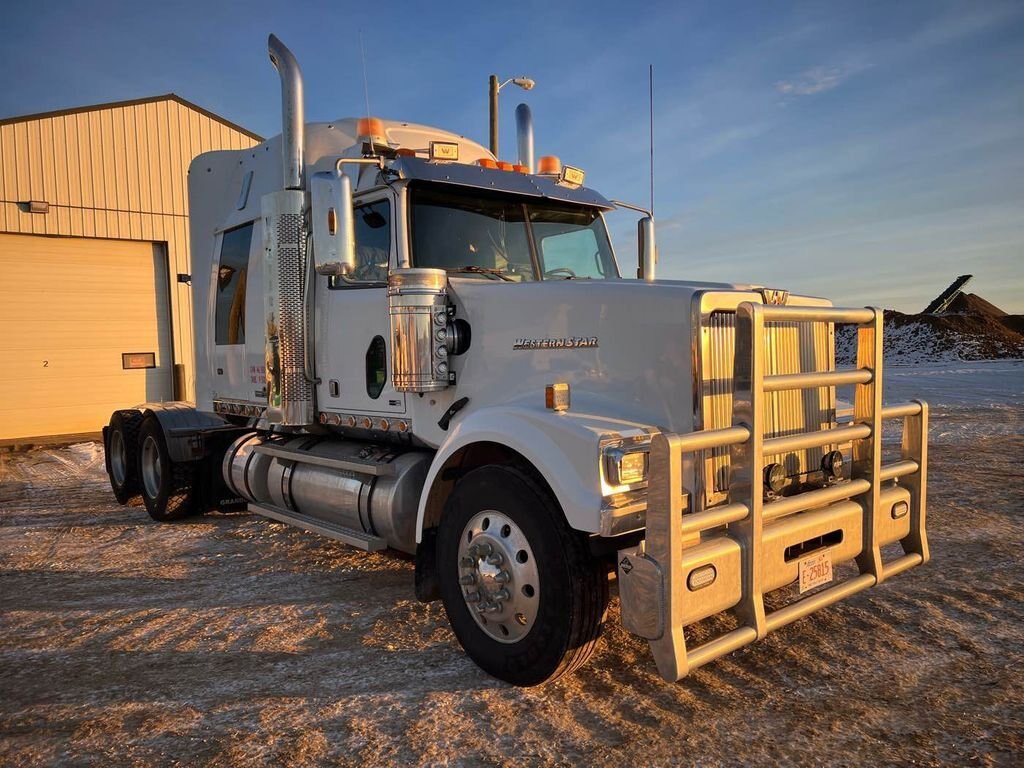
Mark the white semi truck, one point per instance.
(403, 343)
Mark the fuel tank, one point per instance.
(368, 488)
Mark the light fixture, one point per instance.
(525, 83)
(774, 477)
(832, 465)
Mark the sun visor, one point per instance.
(495, 180)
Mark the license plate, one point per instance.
(815, 571)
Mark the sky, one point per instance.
(869, 152)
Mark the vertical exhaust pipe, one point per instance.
(293, 133)
(524, 136)
(290, 393)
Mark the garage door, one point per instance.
(80, 319)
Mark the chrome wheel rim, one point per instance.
(498, 576)
(118, 457)
(151, 467)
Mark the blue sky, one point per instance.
(868, 152)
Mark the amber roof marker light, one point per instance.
(495, 86)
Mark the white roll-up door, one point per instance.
(81, 322)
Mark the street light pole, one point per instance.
(494, 114)
(495, 86)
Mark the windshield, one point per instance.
(503, 238)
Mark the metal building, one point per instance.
(94, 250)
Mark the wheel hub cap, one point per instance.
(151, 467)
(498, 576)
(118, 457)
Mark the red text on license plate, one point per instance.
(815, 571)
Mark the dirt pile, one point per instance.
(971, 329)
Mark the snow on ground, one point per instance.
(231, 640)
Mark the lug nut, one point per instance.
(467, 562)
(495, 559)
(467, 580)
(473, 597)
(503, 578)
(492, 607)
(501, 595)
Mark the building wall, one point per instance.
(114, 171)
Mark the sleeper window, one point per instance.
(231, 275)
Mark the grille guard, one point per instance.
(746, 540)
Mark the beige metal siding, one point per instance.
(70, 307)
(117, 172)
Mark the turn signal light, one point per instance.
(556, 397)
(549, 164)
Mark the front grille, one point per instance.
(789, 348)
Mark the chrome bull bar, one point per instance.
(748, 544)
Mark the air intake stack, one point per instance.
(289, 391)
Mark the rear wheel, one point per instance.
(168, 487)
(122, 449)
(522, 592)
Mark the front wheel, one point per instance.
(168, 487)
(523, 594)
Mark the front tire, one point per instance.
(523, 594)
(168, 487)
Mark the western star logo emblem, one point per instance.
(774, 296)
(566, 342)
(625, 565)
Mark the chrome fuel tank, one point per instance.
(359, 486)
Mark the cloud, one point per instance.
(812, 81)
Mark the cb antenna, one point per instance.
(366, 86)
(650, 82)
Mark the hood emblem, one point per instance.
(566, 342)
(774, 296)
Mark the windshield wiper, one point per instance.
(475, 270)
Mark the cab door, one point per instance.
(353, 351)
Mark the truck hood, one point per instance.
(625, 347)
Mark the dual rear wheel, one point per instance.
(139, 464)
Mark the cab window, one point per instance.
(571, 243)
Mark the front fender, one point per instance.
(563, 447)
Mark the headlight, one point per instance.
(625, 467)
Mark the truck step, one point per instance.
(378, 468)
(358, 539)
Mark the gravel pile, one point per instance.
(972, 329)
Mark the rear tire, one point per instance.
(122, 454)
(504, 544)
(168, 487)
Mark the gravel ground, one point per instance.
(232, 640)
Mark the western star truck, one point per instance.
(404, 343)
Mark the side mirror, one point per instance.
(648, 251)
(334, 248)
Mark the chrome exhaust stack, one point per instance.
(293, 129)
(289, 389)
(524, 136)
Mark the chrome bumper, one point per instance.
(756, 547)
